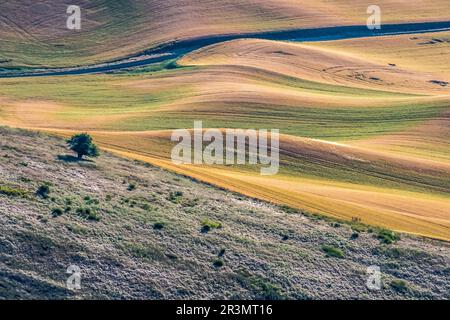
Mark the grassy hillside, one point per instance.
(137, 231)
(34, 33)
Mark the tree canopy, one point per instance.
(82, 144)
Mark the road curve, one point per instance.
(176, 49)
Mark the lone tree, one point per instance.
(83, 146)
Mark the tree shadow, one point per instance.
(69, 158)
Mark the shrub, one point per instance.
(175, 196)
(131, 187)
(159, 225)
(56, 212)
(388, 236)
(399, 285)
(332, 251)
(88, 214)
(335, 225)
(355, 235)
(43, 191)
(12, 192)
(218, 263)
(207, 225)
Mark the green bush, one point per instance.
(355, 235)
(399, 285)
(12, 192)
(43, 191)
(175, 196)
(131, 187)
(332, 251)
(56, 212)
(207, 225)
(212, 224)
(335, 225)
(159, 225)
(387, 236)
(218, 263)
(88, 214)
